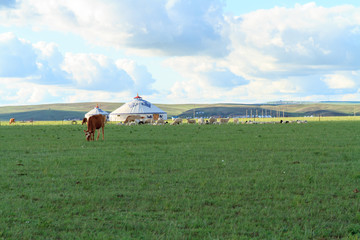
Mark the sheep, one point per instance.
(299, 121)
(212, 120)
(224, 120)
(201, 121)
(159, 122)
(191, 121)
(177, 121)
(149, 121)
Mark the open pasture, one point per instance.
(277, 181)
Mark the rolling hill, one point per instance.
(63, 111)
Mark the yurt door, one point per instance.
(156, 116)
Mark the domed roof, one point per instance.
(137, 106)
(96, 111)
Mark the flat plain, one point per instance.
(268, 181)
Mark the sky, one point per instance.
(179, 51)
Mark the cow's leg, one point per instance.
(98, 135)
(102, 131)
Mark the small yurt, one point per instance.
(138, 106)
(96, 111)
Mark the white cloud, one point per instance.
(17, 57)
(206, 71)
(342, 80)
(31, 73)
(21, 91)
(170, 27)
(95, 72)
(279, 53)
(304, 52)
(142, 78)
(297, 41)
(207, 78)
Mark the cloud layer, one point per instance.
(307, 52)
(36, 72)
(173, 27)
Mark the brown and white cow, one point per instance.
(95, 122)
(12, 120)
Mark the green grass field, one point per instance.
(276, 181)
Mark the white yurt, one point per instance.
(96, 111)
(138, 106)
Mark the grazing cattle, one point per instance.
(191, 121)
(84, 121)
(132, 118)
(12, 120)
(177, 121)
(224, 120)
(95, 122)
(212, 120)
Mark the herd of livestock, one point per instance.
(97, 122)
(137, 119)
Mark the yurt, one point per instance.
(138, 106)
(96, 111)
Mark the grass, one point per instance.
(293, 181)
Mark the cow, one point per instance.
(84, 121)
(177, 121)
(95, 122)
(12, 120)
(132, 118)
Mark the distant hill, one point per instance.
(78, 110)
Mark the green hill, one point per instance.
(78, 110)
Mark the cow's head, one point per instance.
(87, 135)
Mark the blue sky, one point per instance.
(238, 7)
(179, 51)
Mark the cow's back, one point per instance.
(96, 121)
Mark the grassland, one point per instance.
(277, 181)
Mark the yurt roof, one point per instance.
(138, 106)
(96, 111)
